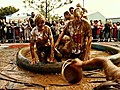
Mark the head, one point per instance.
(109, 21)
(71, 10)
(39, 20)
(78, 5)
(32, 14)
(67, 15)
(78, 13)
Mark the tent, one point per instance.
(18, 15)
(97, 16)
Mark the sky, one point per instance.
(109, 8)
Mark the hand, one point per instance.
(52, 59)
(77, 62)
(56, 45)
(33, 61)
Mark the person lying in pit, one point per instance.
(79, 31)
(111, 71)
(41, 35)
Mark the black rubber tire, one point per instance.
(56, 67)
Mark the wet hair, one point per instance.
(39, 18)
(78, 12)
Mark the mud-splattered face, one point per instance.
(77, 18)
(40, 24)
(39, 20)
(78, 14)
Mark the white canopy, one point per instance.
(19, 15)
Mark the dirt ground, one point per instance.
(13, 77)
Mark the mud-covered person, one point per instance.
(41, 35)
(79, 31)
(84, 11)
(112, 72)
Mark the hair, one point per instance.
(78, 12)
(39, 18)
(71, 8)
(78, 5)
(66, 13)
(32, 12)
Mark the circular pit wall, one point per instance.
(39, 67)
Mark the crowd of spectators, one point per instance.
(14, 31)
(19, 31)
(105, 32)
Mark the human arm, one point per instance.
(88, 42)
(52, 45)
(60, 36)
(32, 43)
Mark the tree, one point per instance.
(46, 6)
(7, 11)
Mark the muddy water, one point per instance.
(93, 53)
(13, 77)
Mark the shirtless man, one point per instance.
(41, 35)
(31, 22)
(79, 31)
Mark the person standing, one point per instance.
(67, 17)
(71, 10)
(94, 30)
(79, 31)
(118, 31)
(31, 21)
(115, 31)
(107, 30)
(26, 30)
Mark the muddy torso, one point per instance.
(78, 34)
(42, 37)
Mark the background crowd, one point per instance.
(19, 31)
(105, 32)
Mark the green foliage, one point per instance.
(46, 6)
(55, 17)
(7, 11)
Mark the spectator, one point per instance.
(107, 29)
(66, 17)
(31, 21)
(26, 30)
(115, 32)
(71, 10)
